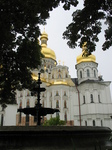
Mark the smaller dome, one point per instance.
(84, 58)
(81, 58)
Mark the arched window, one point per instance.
(88, 73)
(80, 74)
(66, 75)
(64, 93)
(65, 116)
(91, 96)
(20, 104)
(99, 98)
(101, 123)
(57, 93)
(93, 122)
(85, 123)
(57, 104)
(52, 76)
(27, 103)
(94, 73)
(59, 76)
(84, 99)
(51, 94)
(65, 105)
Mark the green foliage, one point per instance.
(87, 24)
(54, 122)
(19, 49)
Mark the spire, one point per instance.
(44, 38)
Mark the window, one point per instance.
(91, 96)
(88, 73)
(52, 76)
(20, 104)
(93, 122)
(85, 123)
(94, 73)
(57, 93)
(59, 76)
(65, 116)
(57, 104)
(66, 75)
(101, 123)
(65, 105)
(80, 74)
(28, 103)
(99, 99)
(64, 93)
(51, 94)
(84, 99)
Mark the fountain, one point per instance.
(38, 110)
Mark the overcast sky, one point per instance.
(56, 25)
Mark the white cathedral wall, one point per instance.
(100, 112)
(61, 99)
(10, 115)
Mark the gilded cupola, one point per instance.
(47, 52)
(83, 58)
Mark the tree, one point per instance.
(19, 49)
(54, 122)
(87, 24)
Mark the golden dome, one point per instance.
(90, 58)
(83, 58)
(47, 52)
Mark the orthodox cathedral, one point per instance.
(82, 101)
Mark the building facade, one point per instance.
(82, 101)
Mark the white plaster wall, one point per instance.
(10, 115)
